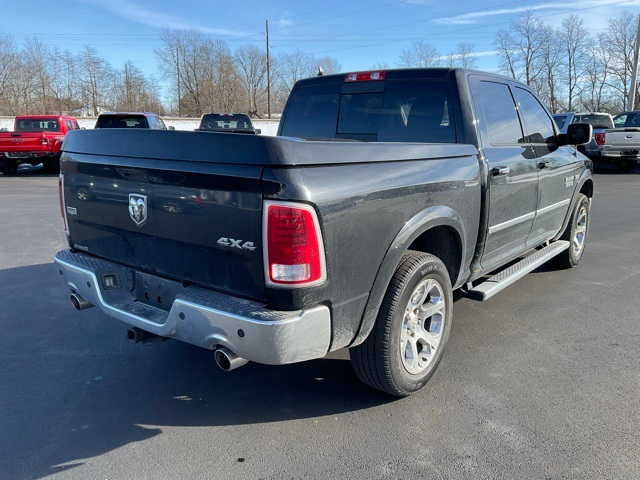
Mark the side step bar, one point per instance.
(503, 279)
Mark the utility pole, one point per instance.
(634, 78)
(268, 75)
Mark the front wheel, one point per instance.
(407, 342)
(575, 233)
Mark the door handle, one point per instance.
(546, 164)
(497, 171)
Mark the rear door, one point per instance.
(557, 168)
(513, 173)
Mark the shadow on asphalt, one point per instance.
(607, 169)
(30, 171)
(75, 388)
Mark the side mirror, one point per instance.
(577, 134)
(171, 127)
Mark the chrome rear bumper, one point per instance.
(200, 316)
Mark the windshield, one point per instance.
(401, 111)
(122, 121)
(38, 125)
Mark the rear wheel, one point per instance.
(575, 234)
(407, 342)
(8, 166)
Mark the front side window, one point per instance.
(537, 122)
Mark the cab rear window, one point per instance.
(122, 121)
(406, 111)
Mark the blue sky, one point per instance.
(359, 33)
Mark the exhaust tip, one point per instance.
(227, 360)
(79, 303)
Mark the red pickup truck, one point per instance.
(36, 139)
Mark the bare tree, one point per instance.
(521, 49)
(421, 54)
(96, 79)
(39, 56)
(8, 58)
(462, 56)
(293, 66)
(329, 65)
(551, 54)
(621, 40)
(251, 62)
(594, 96)
(575, 40)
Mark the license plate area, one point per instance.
(156, 291)
(630, 153)
(18, 154)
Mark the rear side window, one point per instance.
(406, 111)
(68, 124)
(496, 112)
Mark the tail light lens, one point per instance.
(293, 249)
(63, 213)
(600, 138)
(365, 76)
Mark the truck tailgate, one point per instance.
(628, 138)
(26, 142)
(198, 226)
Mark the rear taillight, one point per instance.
(365, 76)
(293, 250)
(63, 212)
(600, 137)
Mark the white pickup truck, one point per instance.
(621, 145)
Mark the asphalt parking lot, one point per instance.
(540, 382)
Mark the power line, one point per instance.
(471, 28)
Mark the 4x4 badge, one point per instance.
(138, 208)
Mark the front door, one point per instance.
(513, 173)
(557, 168)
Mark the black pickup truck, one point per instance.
(382, 193)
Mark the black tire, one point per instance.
(575, 233)
(383, 361)
(8, 167)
